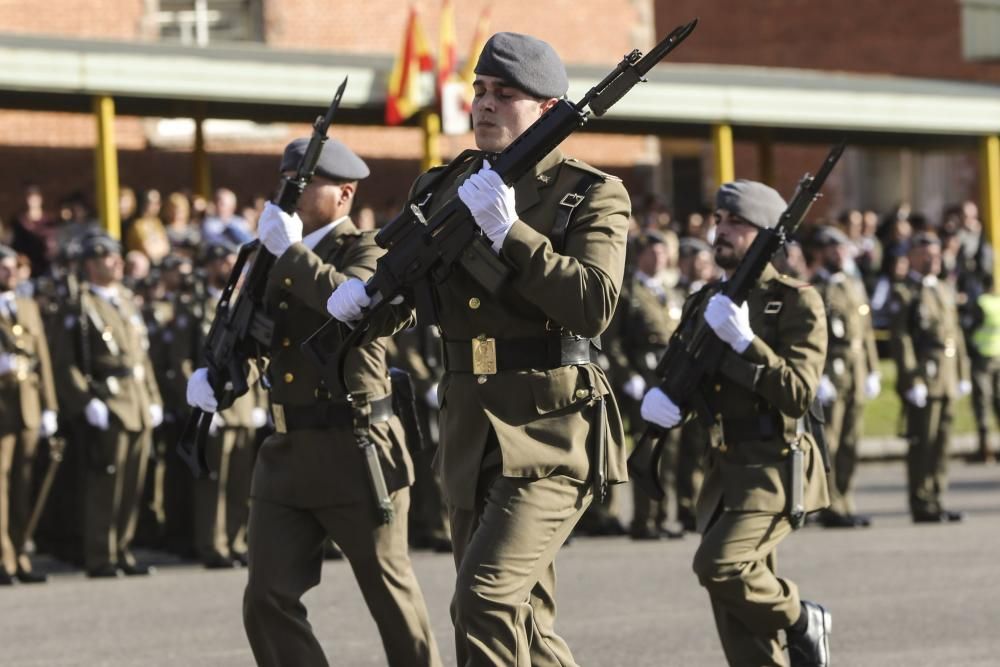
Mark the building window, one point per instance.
(207, 22)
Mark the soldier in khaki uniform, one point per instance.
(517, 445)
(933, 371)
(109, 382)
(753, 470)
(851, 375)
(309, 481)
(27, 412)
(647, 315)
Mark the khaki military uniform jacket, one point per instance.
(851, 353)
(754, 474)
(317, 468)
(29, 390)
(542, 419)
(121, 372)
(927, 342)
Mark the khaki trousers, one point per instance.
(736, 564)
(928, 430)
(221, 500)
(504, 606)
(115, 475)
(843, 430)
(286, 559)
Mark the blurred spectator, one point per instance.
(365, 220)
(147, 233)
(76, 220)
(791, 261)
(224, 225)
(137, 267)
(177, 219)
(128, 209)
(33, 231)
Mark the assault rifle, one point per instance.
(241, 330)
(422, 251)
(695, 353)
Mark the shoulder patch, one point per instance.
(794, 283)
(583, 166)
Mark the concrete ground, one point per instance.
(900, 594)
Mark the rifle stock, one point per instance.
(695, 353)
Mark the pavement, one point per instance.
(900, 594)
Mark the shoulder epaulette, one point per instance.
(583, 166)
(789, 281)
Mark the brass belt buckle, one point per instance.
(278, 413)
(484, 356)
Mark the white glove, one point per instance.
(826, 392)
(431, 397)
(50, 424)
(634, 387)
(97, 414)
(731, 323)
(348, 301)
(964, 388)
(873, 386)
(657, 408)
(8, 362)
(258, 417)
(917, 395)
(491, 202)
(200, 393)
(278, 230)
(156, 414)
(216, 423)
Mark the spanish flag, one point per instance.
(406, 95)
(447, 63)
(468, 73)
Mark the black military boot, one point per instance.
(810, 646)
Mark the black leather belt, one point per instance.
(485, 356)
(120, 373)
(326, 414)
(760, 427)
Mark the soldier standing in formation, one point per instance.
(851, 375)
(309, 482)
(524, 420)
(932, 372)
(753, 470)
(109, 382)
(27, 412)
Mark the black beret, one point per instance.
(336, 161)
(758, 204)
(7, 252)
(524, 62)
(690, 245)
(220, 249)
(173, 261)
(829, 235)
(99, 245)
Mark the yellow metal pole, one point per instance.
(722, 149)
(430, 123)
(765, 160)
(106, 166)
(202, 167)
(989, 183)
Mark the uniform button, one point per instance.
(718, 387)
(285, 342)
(723, 448)
(582, 393)
(17, 329)
(481, 379)
(288, 282)
(289, 378)
(863, 309)
(474, 303)
(283, 305)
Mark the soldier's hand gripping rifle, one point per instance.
(420, 252)
(695, 353)
(241, 331)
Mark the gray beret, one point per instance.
(6, 252)
(829, 235)
(336, 161)
(524, 62)
(692, 246)
(758, 204)
(99, 245)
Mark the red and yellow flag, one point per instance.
(468, 73)
(447, 60)
(406, 95)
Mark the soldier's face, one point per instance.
(501, 112)
(733, 237)
(8, 274)
(926, 259)
(105, 270)
(653, 259)
(324, 201)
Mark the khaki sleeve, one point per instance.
(45, 374)
(578, 289)
(901, 341)
(792, 369)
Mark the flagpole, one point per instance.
(430, 125)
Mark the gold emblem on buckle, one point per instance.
(484, 356)
(278, 414)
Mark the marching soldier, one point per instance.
(109, 382)
(529, 425)
(309, 480)
(647, 315)
(932, 372)
(851, 375)
(27, 412)
(761, 457)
